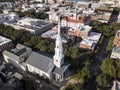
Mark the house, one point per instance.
(115, 53)
(17, 55)
(5, 43)
(116, 85)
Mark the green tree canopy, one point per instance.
(103, 80)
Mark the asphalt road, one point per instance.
(95, 68)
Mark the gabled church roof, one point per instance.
(40, 61)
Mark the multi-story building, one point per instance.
(82, 32)
(17, 55)
(75, 21)
(32, 25)
(87, 44)
(5, 43)
(91, 41)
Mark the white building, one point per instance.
(34, 26)
(113, 3)
(115, 52)
(8, 17)
(54, 16)
(116, 85)
(17, 55)
(5, 43)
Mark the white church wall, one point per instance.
(34, 70)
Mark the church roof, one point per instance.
(61, 70)
(40, 61)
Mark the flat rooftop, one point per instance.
(94, 36)
(4, 40)
(88, 42)
(85, 28)
(49, 34)
(20, 49)
(31, 24)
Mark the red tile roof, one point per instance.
(80, 20)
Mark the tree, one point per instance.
(109, 46)
(107, 67)
(84, 75)
(73, 87)
(42, 46)
(51, 48)
(118, 68)
(103, 80)
(74, 51)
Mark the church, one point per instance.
(50, 67)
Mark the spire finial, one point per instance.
(59, 25)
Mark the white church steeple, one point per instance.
(59, 56)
